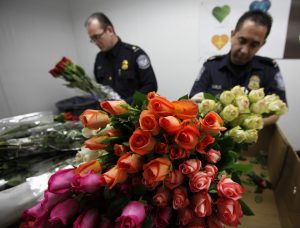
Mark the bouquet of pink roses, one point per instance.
(157, 163)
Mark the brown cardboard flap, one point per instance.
(276, 155)
(287, 191)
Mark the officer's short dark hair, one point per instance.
(101, 17)
(259, 17)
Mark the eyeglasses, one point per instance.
(97, 37)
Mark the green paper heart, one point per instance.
(221, 12)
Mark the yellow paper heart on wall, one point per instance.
(219, 41)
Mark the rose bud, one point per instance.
(202, 203)
(90, 218)
(88, 166)
(156, 170)
(229, 113)
(237, 134)
(227, 97)
(243, 104)
(251, 136)
(256, 95)
(190, 167)
(89, 182)
(170, 124)
(60, 182)
(180, 197)
(253, 122)
(278, 107)
(64, 211)
(161, 106)
(133, 215)
(199, 181)
(114, 107)
(259, 107)
(229, 211)
(238, 91)
(94, 119)
(187, 137)
(131, 162)
(212, 123)
(149, 122)
(141, 142)
(211, 171)
(162, 197)
(229, 189)
(174, 179)
(115, 176)
(213, 156)
(185, 109)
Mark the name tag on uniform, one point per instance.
(216, 86)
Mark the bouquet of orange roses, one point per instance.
(156, 163)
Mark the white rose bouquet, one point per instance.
(242, 111)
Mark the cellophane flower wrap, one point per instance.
(156, 163)
(77, 78)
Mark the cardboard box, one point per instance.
(284, 173)
(287, 191)
(277, 153)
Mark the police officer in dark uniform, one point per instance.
(240, 66)
(219, 74)
(124, 67)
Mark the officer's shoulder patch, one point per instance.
(143, 61)
(268, 61)
(279, 80)
(131, 47)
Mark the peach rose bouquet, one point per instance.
(155, 163)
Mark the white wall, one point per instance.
(35, 34)
(290, 123)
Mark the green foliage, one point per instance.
(209, 96)
(139, 99)
(227, 158)
(185, 97)
(246, 210)
(238, 167)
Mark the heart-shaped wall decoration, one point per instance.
(263, 5)
(219, 41)
(221, 12)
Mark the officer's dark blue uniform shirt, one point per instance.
(218, 74)
(126, 68)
